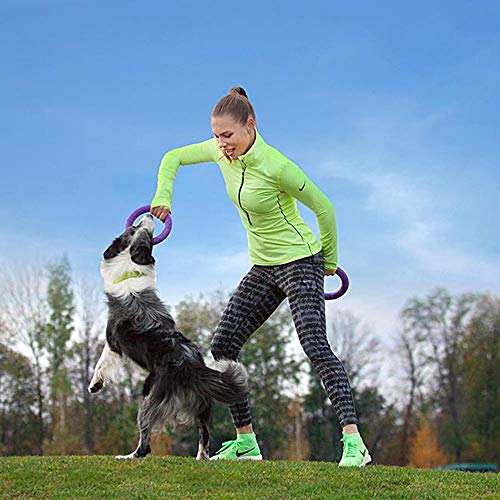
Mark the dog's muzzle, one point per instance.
(147, 223)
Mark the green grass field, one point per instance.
(175, 477)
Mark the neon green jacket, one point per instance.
(263, 184)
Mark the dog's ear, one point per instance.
(115, 248)
(141, 252)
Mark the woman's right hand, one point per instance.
(160, 212)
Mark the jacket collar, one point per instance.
(254, 155)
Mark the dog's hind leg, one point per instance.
(204, 421)
(145, 423)
(145, 420)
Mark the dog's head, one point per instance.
(129, 258)
(137, 241)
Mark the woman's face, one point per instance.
(233, 138)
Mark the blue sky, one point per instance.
(391, 108)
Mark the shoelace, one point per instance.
(351, 448)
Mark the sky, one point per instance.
(390, 107)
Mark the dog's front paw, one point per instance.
(95, 387)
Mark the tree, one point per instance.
(357, 348)
(425, 452)
(197, 318)
(60, 301)
(482, 380)
(58, 332)
(411, 351)
(17, 398)
(25, 314)
(441, 319)
(296, 445)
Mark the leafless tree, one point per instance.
(87, 344)
(357, 347)
(24, 314)
(413, 362)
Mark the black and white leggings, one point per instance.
(257, 296)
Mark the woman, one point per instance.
(288, 259)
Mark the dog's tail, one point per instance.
(225, 381)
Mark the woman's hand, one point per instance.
(160, 212)
(329, 272)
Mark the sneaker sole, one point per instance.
(366, 460)
(255, 457)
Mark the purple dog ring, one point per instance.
(344, 280)
(144, 210)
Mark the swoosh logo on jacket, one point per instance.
(303, 186)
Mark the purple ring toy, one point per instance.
(343, 287)
(144, 210)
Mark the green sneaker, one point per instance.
(243, 448)
(355, 453)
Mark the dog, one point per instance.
(179, 387)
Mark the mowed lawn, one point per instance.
(175, 477)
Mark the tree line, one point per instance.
(443, 369)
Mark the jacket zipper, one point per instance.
(239, 192)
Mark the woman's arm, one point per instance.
(188, 155)
(295, 182)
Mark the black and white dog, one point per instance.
(179, 387)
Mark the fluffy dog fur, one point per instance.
(179, 388)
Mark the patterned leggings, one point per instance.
(257, 296)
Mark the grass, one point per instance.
(175, 477)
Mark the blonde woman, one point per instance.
(288, 260)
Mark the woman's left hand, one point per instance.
(328, 272)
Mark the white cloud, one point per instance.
(424, 230)
(424, 243)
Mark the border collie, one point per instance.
(179, 387)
